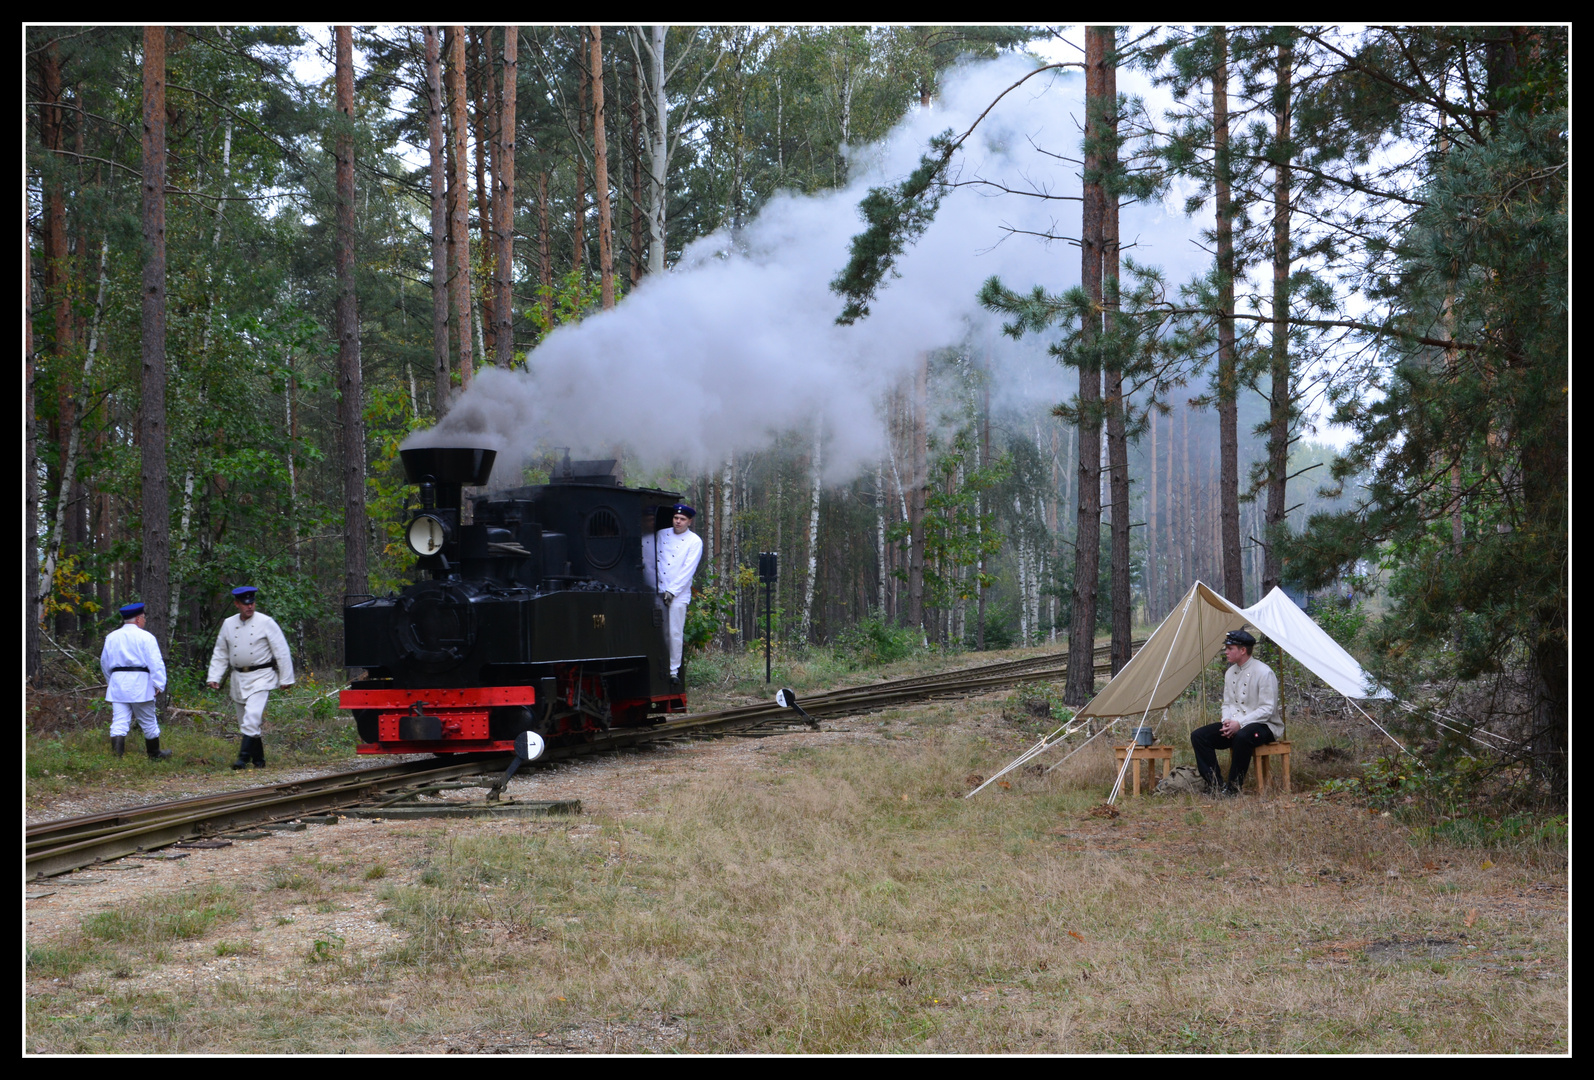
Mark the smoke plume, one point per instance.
(738, 342)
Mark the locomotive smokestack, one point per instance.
(450, 468)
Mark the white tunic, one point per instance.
(250, 643)
(1251, 696)
(132, 646)
(670, 559)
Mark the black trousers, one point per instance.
(1206, 741)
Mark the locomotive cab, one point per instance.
(532, 612)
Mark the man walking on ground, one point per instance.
(134, 674)
(252, 647)
(1250, 716)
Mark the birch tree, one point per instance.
(663, 128)
(439, 206)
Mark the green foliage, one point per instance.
(390, 417)
(959, 522)
(1448, 803)
(326, 949)
(1342, 620)
(875, 642)
(1466, 507)
(573, 295)
(712, 611)
(1037, 707)
(895, 215)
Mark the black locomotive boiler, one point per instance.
(535, 616)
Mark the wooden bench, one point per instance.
(1153, 754)
(1261, 759)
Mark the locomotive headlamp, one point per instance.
(427, 534)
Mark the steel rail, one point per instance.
(252, 807)
(56, 847)
(89, 825)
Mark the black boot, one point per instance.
(118, 745)
(243, 752)
(259, 749)
(152, 747)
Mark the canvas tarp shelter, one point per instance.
(1190, 636)
(1193, 633)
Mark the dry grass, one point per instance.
(849, 900)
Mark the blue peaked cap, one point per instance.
(244, 590)
(131, 611)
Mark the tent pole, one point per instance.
(1379, 726)
(1130, 753)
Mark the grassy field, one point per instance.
(845, 898)
(69, 746)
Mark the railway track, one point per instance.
(55, 847)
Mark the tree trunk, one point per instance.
(155, 563)
(814, 472)
(1228, 376)
(56, 543)
(600, 181)
(459, 205)
(483, 127)
(545, 249)
(1117, 436)
(58, 291)
(880, 538)
(658, 147)
(638, 245)
(727, 561)
(1280, 392)
(579, 221)
(1081, 682)
(32, 656)
(1154, 607)
(434, 127)
(350, 411)
(504, 201)
(918, 479)
(983, 502)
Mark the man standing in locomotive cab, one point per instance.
(134, 674)
(251, 645)
(669, 560)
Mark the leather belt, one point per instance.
(256, 667)
(145, 670)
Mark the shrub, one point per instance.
(874, 642)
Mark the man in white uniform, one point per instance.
(1250, 716)
(252, 647)
(669, 559)
(134, 674)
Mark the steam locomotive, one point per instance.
(537, 623)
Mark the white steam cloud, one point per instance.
(738, 342)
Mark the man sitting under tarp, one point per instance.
(1250, 716)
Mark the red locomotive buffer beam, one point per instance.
(435, 719)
